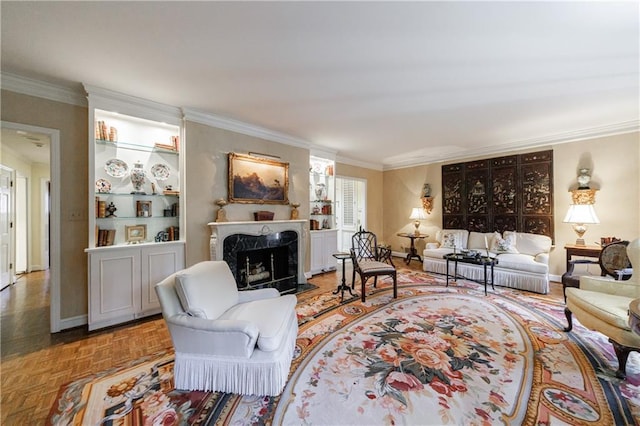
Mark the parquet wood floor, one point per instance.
(35, 363)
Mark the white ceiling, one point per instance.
(31, 147)
(386, 83)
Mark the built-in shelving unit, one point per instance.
(321, 193)
(322, 224)
(134, 176)
(135, 173)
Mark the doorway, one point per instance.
(33, 153)
(351, 202)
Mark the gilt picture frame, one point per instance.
(256, 180)
(135, 233)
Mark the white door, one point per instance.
(350, 209)
(6, 227)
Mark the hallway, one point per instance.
(25, 314)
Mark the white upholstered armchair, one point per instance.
(227, 340)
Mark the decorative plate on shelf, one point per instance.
(116, 168)
(160, 171)
(103, 186)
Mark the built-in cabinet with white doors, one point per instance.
(323, 245)
(135, 171)
(322, 225)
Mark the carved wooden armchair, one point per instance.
(369, 260)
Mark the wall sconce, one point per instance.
(417, 214)
(427, 199)
(580, 215)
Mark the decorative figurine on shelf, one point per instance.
(138, 178)
(110, 211)
(320, 191)
(294, 211)
(153, 188)
(221, 215)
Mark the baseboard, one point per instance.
(398, 254)
(67, 323)
(555, 278)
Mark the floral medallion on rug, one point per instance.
(434, 355)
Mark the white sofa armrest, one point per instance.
(542, 258)
(230, 338)
(610, 286)
(259, 294)
(432, 246)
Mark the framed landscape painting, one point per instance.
(255, 180)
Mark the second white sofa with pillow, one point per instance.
(523, 259)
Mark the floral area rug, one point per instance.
(434, 355)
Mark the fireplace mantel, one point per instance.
(221, 230)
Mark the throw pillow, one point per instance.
(504, 245)
(451, 240)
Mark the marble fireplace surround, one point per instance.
(222, 230)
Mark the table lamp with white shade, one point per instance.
(417, 214)
(580, 215)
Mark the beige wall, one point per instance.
(375, 194)
(403, 189)
(206, 181)
(71, 121)
(615, 165)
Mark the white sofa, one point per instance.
(523, 259)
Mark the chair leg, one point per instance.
(569, 315)
(353, 279)
(362, 293)
(622, 353)
(395, 286)
(375, 281)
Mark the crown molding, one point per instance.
(624, 127)
(131, 105)
(322, 152)
(41, 89)
(242, 127)
(358, 163)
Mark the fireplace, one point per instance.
(259, 261)
(261, 254)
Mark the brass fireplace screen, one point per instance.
(500, 194)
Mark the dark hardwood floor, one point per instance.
(36, 363)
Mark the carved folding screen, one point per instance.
(500, 194)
